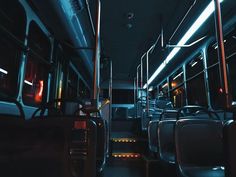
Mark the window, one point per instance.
(178, 92)
(177, 78)
(83, 90)
(163, 89)
(72, 84)
(213, 70)
(37, 67)
(195, 66)
(230, 51)
(12, 34)
(9, 66)
(178, 97)
(121, 96)
(196, 91)
(13, 18)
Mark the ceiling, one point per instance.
(130, 27)
(126, 40)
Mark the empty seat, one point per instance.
(230, 148)
(166, 141)
(199, 147)
(166, 136)
(152, 136)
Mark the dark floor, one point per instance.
(124, 168)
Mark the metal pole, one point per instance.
(96, 70)
(110, 107)
(141, 84)
(221, 55)
(137, 80)
(147, 75)
(134, 91)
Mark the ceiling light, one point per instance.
(191, 31)
(3, 71)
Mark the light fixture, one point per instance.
(178, 75)
(3, 71)
(191, 31)
(28, 82)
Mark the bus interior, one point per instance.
(100, 88)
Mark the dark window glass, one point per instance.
(212, 54)
(9, 66)
(195, 66)
(214, 75)
(84, 92)
(120, 96)
(230, 50)
(13, 18)
(72, 84)
(37, 70)
(178, 97)
(196, 91)
(12, 34)
(163, 89)
(214, 86)
(177, 78)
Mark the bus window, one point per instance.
(230, 51)
(12, 34)
(213, 69)
(83, 90)
(72, 84)
(13, 20)
(37, 67)
(163, 89)
(178, 91)
(196, 91)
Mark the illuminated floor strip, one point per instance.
(123, 140)
(126, 155)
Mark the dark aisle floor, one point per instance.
(124, 168)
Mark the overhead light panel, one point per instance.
(3, 71)
(191, 31)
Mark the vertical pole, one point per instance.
(185, 84)
(147, 75)
(135, 102)
(110, 108)
(221, 54)
(138, 80)
(134, 91)
(137, 95)
(96, 68)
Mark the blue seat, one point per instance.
(230, 147)
(199, 147)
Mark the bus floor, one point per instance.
(122, 167)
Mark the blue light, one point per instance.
(191, 31)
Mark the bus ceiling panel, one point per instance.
(129, 28)
(69, 22)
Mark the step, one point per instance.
(126, 155)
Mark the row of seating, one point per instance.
(53, 145)
(191, 140)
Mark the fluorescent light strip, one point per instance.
(28, 82)
(178, 75)
(3, 71)
(196, 25)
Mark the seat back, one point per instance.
(199, 142)
(152, 136)
(229, 148)
(166, 141)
